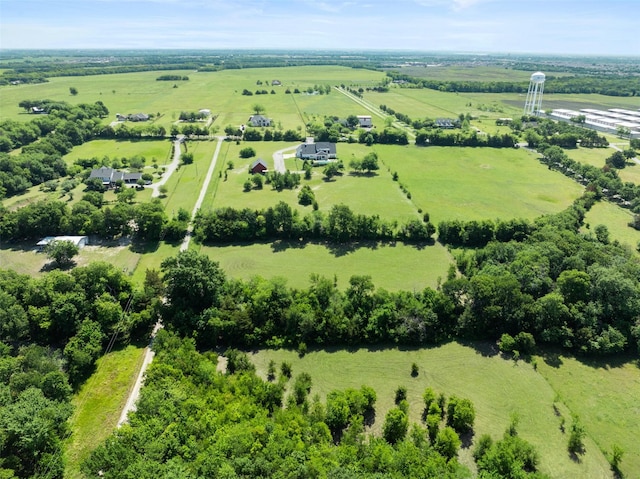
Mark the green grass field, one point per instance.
(497, 387)
(605, 396)
(99, 403)
(150, 149)
(479, 183)
(393, 267)
(616, 219)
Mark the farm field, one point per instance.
(482, 183)
(616, 219)
(392, 267)
(98, 404)
(221, 92)
(498, 388)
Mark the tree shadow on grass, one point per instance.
(144, 247)
(53, 265)
(279, 246)
(487, 349)
(466, 439)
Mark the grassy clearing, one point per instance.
(150, 149)
(467, 73)
(590, 156)
(393, 267)
(99, 403)
(152, 255)
(480, 183)
(616, 219)
(496, 386)
(605, 396)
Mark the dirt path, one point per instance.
(203, 192)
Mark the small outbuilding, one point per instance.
(79, 241)
(258, 166)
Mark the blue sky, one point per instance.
(587, 27)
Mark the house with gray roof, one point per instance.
(322, 151)
(259, 120)
(110, 177)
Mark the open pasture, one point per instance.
(497, 387)
(478, 183)
(391, 266)
(221, 92)
(616, 219)
(118, 149)
(605, 396)
(98, 404)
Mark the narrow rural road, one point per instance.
(148, 352)
(278, 159)
(376, 111)
(173, 166)
(203, 191)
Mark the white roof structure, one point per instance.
(79, 241)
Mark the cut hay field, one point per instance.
(616, 219)
(393, 266)
(478, 183)
(498, 388)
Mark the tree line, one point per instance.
(339, 225)
(565, 288)
(44, 141)
(618, 85)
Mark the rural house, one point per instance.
(110, 177)
(317, 151)
(445, 123)
(259, 120)
(364, 121)
(258, 166)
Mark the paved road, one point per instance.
(278, 159)
(203, 192)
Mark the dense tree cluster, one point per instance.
(52, 329)
(246, 433)
(172, 78)
(388, 136)
(44, 141)
(544, 132)
(341, 225)
(144, 221)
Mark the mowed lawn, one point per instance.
(375, 194)
(497, 387)
(391, 266)
(99, 403)
(616, 219)
(479, 183)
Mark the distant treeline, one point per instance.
(618, 85)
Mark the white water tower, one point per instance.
(533, 103)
